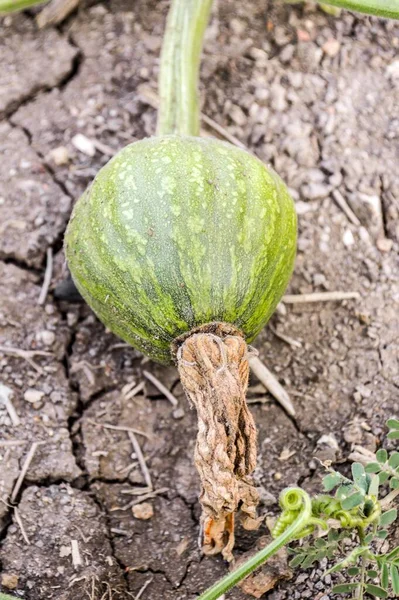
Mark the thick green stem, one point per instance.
(7, 6)
(225, 584)
(180, 60)
(378, 8)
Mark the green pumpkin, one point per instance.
(176, 232)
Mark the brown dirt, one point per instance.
(326, 116)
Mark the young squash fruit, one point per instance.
(183, 247)
(175, 232)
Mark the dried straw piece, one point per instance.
(160, 386)
(214, 372)
(24, 470)
(47, 277)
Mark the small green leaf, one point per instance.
(369, 538)
(393, 435)
(382, 534)
(394, 483)
(333, 535)
(392, 424)
(393, 460)
(344, 587)
(384, 576)
(359, 476)
(320, 543)
(344, 491)
(372, 574)
(388, 517)
(374, 485)
(297, 560)
(384, 476)
(352, 501)
(373, 467)
(353, 571)
(382, 456)
(395, 579)
(375, 590)
(318, 557)
(331, 481)
(392, 555)
(308, 562)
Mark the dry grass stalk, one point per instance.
(344, 206)
(141, 499)
(140, 458)
(5, 396)
(55, 12)
(145, 586)
(21, 525)
(286, 338)
(26, 355)
(119, 428)
(47, 277)
(320, 297)
(24, 470)
(271, 384)
(164, 390)
(76, 558)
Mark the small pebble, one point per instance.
(315, 191)
(384, 244)
(33, 396)
(9, 581)
(237, 115)
(48, 337)
(348, 238)
(83, 144)
(331, 47)
(59, 156)
(143, 511)
(178, 413)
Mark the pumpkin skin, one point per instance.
(176, 232)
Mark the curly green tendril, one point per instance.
(298, 504)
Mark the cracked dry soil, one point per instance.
(314, 96)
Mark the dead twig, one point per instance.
(344, 206)
(25, 467)
(137, 491)
(47, 277)
(119, 428)
(55, 12)
(76, 559)
(286, 338)
(145, 586)
(161, 388)
(140, 458)
(223, 132)
(26, 355)
(141, 499)
(20, 524)
(6, 443)
(5, 394)
(320, 297)
(138, 388)
(271, 384)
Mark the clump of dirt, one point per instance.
(315, 97)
